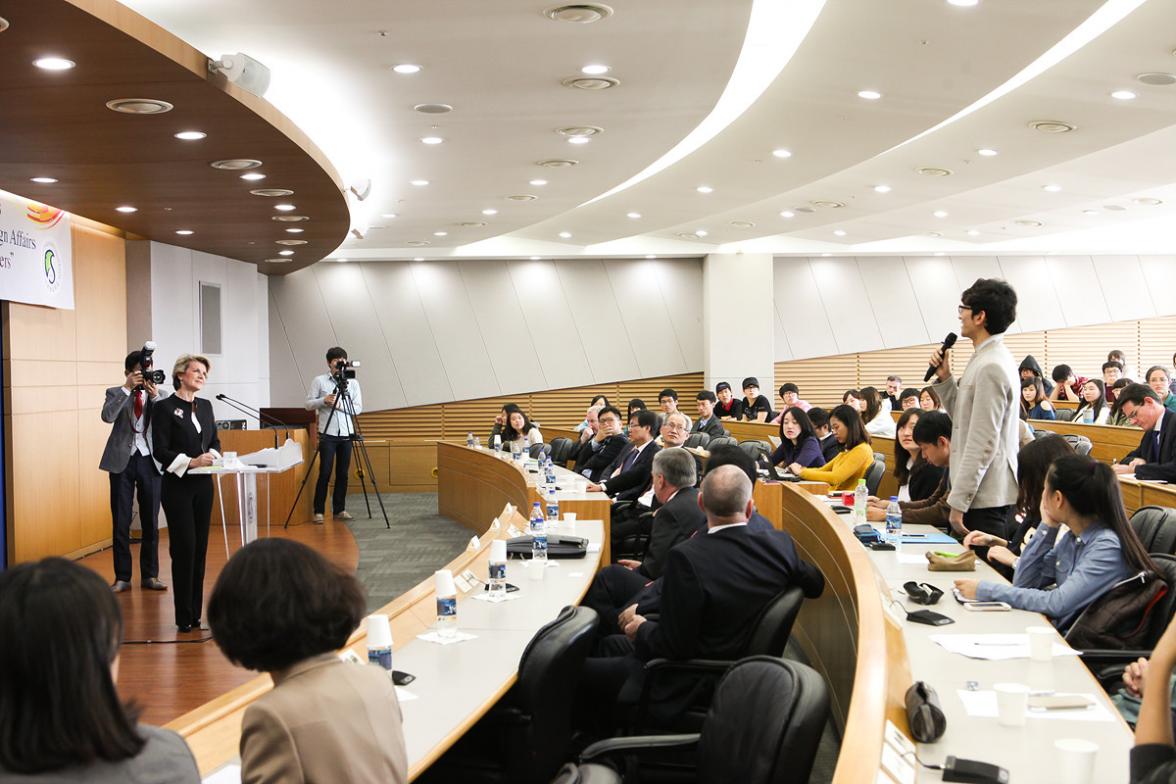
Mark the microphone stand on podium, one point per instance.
(260, 416)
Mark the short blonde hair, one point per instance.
(181, 365)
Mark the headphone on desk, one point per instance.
(922, 593)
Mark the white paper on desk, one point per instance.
(404, 695)
(513, 532)
(434, 637)
(594, 547)
(229, 774)
(994, 647)
(289, 454)
(912, 560)
(484, 596)
(982, 704)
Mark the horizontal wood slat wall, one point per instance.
(1147, 342)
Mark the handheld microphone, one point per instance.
(948, 342)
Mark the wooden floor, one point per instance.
(167, 679)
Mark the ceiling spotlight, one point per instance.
(3, 24)
(388, 215)
(700, 232)
(278, 261)
(285, 207)
(431, 140)
(440, 234)
(705, 189)
(826, 255)
(565, 235)
(341, 261)
(787, 214)
(185, 232)
(489, 211)
(650, 256)
(839, 232)
(963, 3)
(406, 68)
(418, 258)
(579, 139)
(43, 180)
(419, 183)
(869, 95)
(536, 258)
(782, 153)
(294, 231)
(54, 64)
(126, 209)
(594, 70)
(285, 253)
(633, 215)
(191, 136)
(1051, 188)
(252, 176)
(940, 253)
(538, 183)
(1123, 95)
(987, 152)
(881, 189)
(973, 233)
(940, 214)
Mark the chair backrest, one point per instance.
(586, 774)
(879, 457)
(561, 451)
(697, 440)
(715, 443)
(756, 449)
(874, 476)
(1081, 444)
(1039, 433)
(774, 626)
(1064, 414)
(1156, 528)
(539, 449)
(764, 724)
(548, 673)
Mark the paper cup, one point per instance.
(581, 486)
(1012, 700)
(379, 632)
(1076, 760)
(569, 517)
(498, 551)
(535, 570)
(443, 583)
(1041, 642)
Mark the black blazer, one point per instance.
(595, 462)
(630, 484)
(830, 447)
(673, 523)
(173, 431)
(714, 426)
(1165, 466)
(923, 480)
(735, 410)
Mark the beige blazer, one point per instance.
(326, 720)
(984, 428)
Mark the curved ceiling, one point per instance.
(952, 80)
(56, 126)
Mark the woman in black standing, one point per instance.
(185, 437)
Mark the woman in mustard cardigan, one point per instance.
(855, 459)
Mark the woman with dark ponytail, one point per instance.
(1098, 550)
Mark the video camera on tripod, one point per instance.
(146, 365)
(344, 371)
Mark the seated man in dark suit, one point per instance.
(716, 584)
(1155, 457)
(829, 444)
(708, 421)
(600, 451)
(629, 474)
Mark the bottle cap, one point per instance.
(498, 551)
(379, 632)
(443, 582)
(893, 498)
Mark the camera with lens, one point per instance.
(147, 363)
(344, 371)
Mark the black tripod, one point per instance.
(356, 439)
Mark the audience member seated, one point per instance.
(1117, 417)
(668, 400)
(501, 422)
(1161, 384)
(877, 417)
(1153, 759)
(790, 394)
(519, 432)
(281, 608)
(1112, 371)
(830, 446)
(756, 407)
(798, 441)
(917, 479)
(850, 465)
(628, 476)
(1067, 386)
(635, 405)
(1030, 369)
(1034, 402)
(1172, 386)
(61, 719)
(708, 420)
(893, 388)
(932, 434)
(1155, 457)
(590, 424)
(598, 402)
(1033, 462)
(908, 399)
(599, 452)
(929, 400)
(716, 584)
(1093, 410)
(675, 430)
(853, 399)
(1115, 355)
(1098, 550)
(728, 407)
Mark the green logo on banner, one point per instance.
(50, 269)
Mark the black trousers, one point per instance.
(610, 592)
(991, 520)
(329, 448)
(187, 502)
(140, 473)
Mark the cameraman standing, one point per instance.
(335, 429)
(128, 460)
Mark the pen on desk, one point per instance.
(914, 536)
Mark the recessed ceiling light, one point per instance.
(590, 82)
(557, 163)
(289, 242)
(278, 261)
(126, 209)
(406, 68)
(940, 213)
(1052, 126)
(417, 243)
(963, 3)
(538, 183)
(418, 258)
(933, 171)
(139, 106)
(489, 211)
(388, 215)
(1156, 78)
(289, 218)
(54, 63)
(566, 235)
(252, 176)
(285, 207)
(43, 180)
(869, 95)
(1123, 95)
(987, 152)
(686, 235)
(1051, 188)
(881, 189)
(934, 235)
(191, 136)
(272, 193)
(185, 232)
(472, 224)
(419, 183)
(939, 253)
(838, 232)
(705, 189)
(431, 140)
(536, 258)
(782, 153)
(341, 261)
(522, 197)
(1147, 202)
(579, 139)
(1029, 223)
(580, 130)
(3, 24)
(294, 231)
(826, 255)
(973, 233)
(433, 108)
(1090, 212)
(650, 256)
(594, 70)
(700, 232)
(440, 234)
(580, 13)
(787, 214)
(235, 164)
(742, 224)
(633, 215)
(285, 253)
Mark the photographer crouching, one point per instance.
(127, 458)
(336, 397)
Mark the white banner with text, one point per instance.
(36, 253)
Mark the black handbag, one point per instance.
(924, 713)
(557, 546)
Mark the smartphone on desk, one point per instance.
(1059, 701)
(987, 606)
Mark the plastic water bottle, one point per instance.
(894, 521)
(860, 500)
(379, 642)
(552, 505)
(498, 569)
(515, 454)
(446, 592)
(527, 445)
(470, 440)
(538, 534)
(549, 472)
(497, 444)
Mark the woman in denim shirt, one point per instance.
(1034, 402)
(1098, 551)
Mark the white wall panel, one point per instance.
(1078, 291)
(892, 302)
(681, 287)
(302, 312)
(1121, 277)
(460, 343)
(551, 331)
(1159, 276)
(647, 321)
(800, 309)
(969, 268)
(844, 294)
(937, 290)
(596, 311)
(1037, 303)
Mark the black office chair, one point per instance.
(528, 734)
(763, 727)
(1081, 444)
(874, 476)
(539, 449)
(1064, 414)
(697, 440)
(561, 451)
(1156, 528)
(757, 449)
(715, 443)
